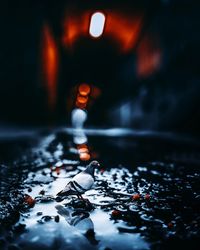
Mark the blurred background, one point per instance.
(131, 64)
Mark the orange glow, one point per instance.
(96, 92)
(86, 95)
(149, 57)
(82, 146)
(57, 170)
(80, 105)
(83, 149)
(84, 156)
(74, 27)
(125, 30)
(82, 99)
(29, 200)
(50, 65)
(82, 96)
(84, 89)
(94, 155)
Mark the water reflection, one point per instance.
(81, 220)
(79, 117)
(62, 226)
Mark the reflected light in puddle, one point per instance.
(84, 156)
(97, 24)
(79, 116)
(82, 148)
(79, 137)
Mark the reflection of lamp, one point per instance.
(79, 116)
(97, 24)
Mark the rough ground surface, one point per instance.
(141, 200)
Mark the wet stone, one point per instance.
(44, 198)
(39, 213)
(134, 208)
(159, 200)
(42, 192)
(116, 214)
(57, 218)
(127, 229)
(44, 219)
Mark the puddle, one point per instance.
(142, 198)
(43, 230)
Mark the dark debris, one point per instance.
(160, 200)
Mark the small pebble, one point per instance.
(136, 197)
(44, 219)
(39, 213)
(116, 213)
(57, 218)
(29, 200)
(42, 192)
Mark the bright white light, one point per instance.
(79, 116)
(79, 137)
(97, 23)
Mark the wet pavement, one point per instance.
(146, 195)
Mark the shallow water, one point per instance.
(146, 194)
(70, 229)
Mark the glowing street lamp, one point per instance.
(97, 24)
